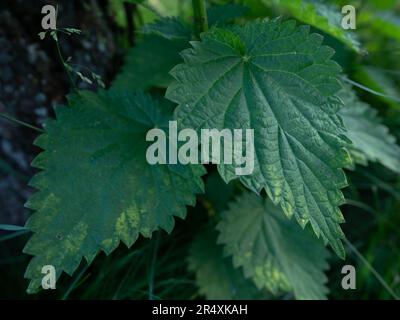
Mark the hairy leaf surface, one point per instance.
(276, 79)
(273, 251)
(96, 187)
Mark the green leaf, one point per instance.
(221, 14)
(216, 277)
(218, 193)
(384, 4)
(371, 139)
(10, 227)
(273, 251)
(148, 63)
(326, 17)
(171, 28)
(42, 35)
(96, 187)
(277, 79)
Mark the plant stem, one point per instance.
(19, 122)
(200, 16)
(65, 65)
(130, 9)
(7, 169)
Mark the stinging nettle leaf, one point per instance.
(216, 277)
(149, 62)
(96, 187)
(371, 139)
(275, 78)
(272, 250)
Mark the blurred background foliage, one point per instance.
(32, 80)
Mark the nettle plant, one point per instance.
(272, 75)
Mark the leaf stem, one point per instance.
(200, 16)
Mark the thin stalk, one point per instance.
(13, 235)
(134, 266)
(359, 85)
(19, 122)
(200, 16)
(11, 227)
(62, 58)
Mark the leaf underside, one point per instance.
(275, 78)
(96, 187)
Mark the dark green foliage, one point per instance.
(324, 151)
